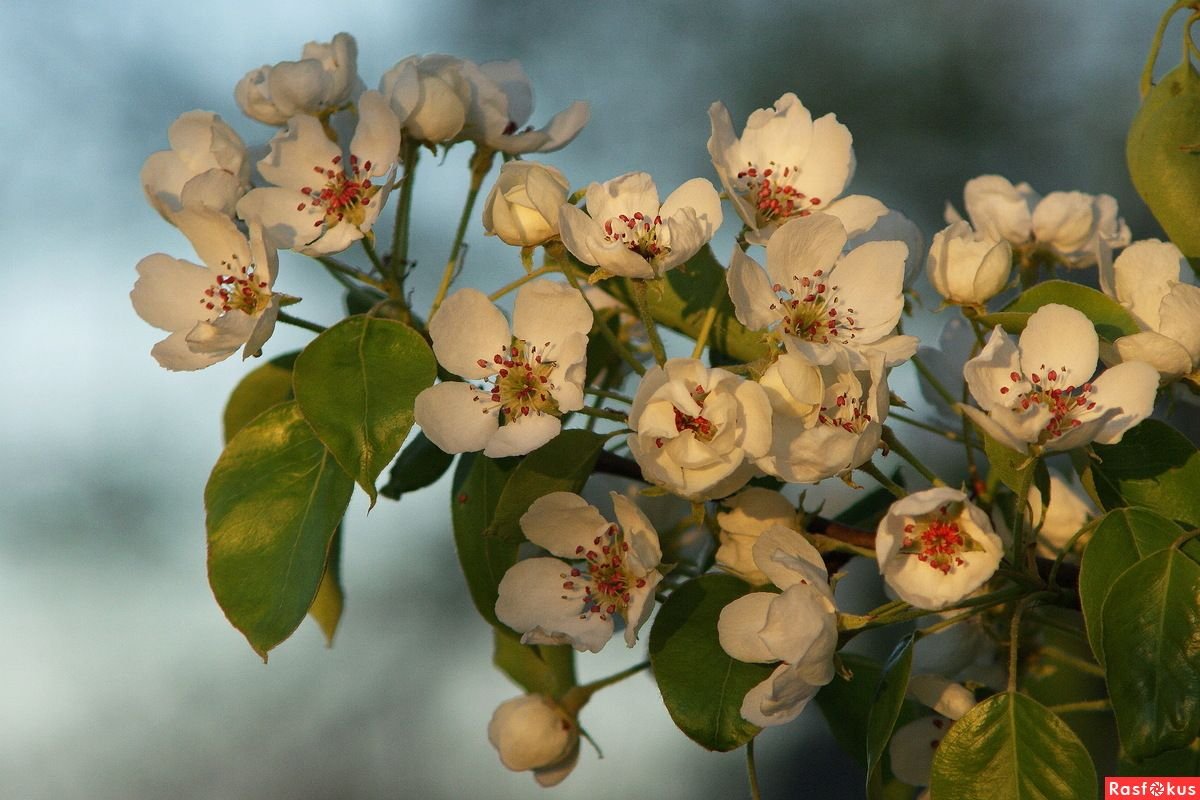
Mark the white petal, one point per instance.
(950, 699)
(1130, 387)
(1164, 354)
(858, 214)
(750, 290)
(174, 354)
(531, 597)
(168, 292)
(454, 416)
(829, 165)
(739, 624)
(522, 435)
(1179, 318)
(466, 329)
(549, 312)
(803, 245)
(995, 430)
(579, 231)
(1062, 338)
(290, 221)
(216, 238)
(1142, 276)
(377, 137)
(699, 195)
(990, 373)
(296, 152)
(562, 522)
(644, 550)
(870, 280)
(997, 209)
(787, 559)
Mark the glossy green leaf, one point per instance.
(264, 387)
(326, 608)
(538, 669)
(420, 464)
(1184, 761)
(356, 384)
(561, 465)
(888, 700)
(274, 500)
(1122, 538)
(1151, 642)
(1010, 747)
(1013, 468)
(846, 704)
(1154, 466)
(1111, 319)
(701, 686)
(482, 553)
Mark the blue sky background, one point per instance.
(119, 677)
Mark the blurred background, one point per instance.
(119, 676)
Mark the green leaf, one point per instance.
(538, 669)
(1111, 319)
(885, 709)
(326, 608)
(420, 464)
(1151, 642)
(483, 555)
(264, 387)
(1122, 538)
(274, 500)
(1184, 761)
(356, 384)
(1010, 747)
(702, 686)
(561, 465)
(846, 704)
(1012, 467)
(1154, 466)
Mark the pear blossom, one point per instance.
(827, 411)
(815, 294)
(501, 105)
(612, 572)
(323, 199)
(784, 166)
(914, 744)
(626, 232)
(934, 548)
(1040, 394)
(522, 207)
(532, 373)
(322, 81)
(206, 166)
(534, 733)
(1070, 225)
(429, 95)
(748, 514)
(697, 430)
(966, 268)
(1145, 279)
(797, 628)
(212, 310)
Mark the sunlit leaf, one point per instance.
(540, 669)
(885, 708)
(326, 608)
(1154, 466)
(264, 387)
(1110, 318)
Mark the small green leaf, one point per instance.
(1154, 466)
(420, 464)
(846, 704)
(561, 465)
(702, 686)
(1152, 653)
(1122, 538)
(326, 608)
(483, 555)
(356, 384)
(1110, 318)
(889, 699)
(274, 500)
(538, 669)
(1012, 467)
(1010, 747)
(264, 387)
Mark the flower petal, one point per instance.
(531, 598)
(466, 329)
(803, 245)
(739, 624)
(454, 417)
(750, 290)
(1129, 387)
(522, 435)
(1061, 338)
(548, 312)
(562, 522)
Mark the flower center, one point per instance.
(846, 412)
(605, 578)
(811, 310)
(703, 429)
(638, 233)
(237, 288)
(936, 539)
(1053, 391)
(773, 194)
(345, 195)
(522, 382)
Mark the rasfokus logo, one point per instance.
(1151, 787)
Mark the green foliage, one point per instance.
(420, 464)
(886, 706)
(1013, 468)
(847, 703)
(356, 384)
(1111, 319)
(1153, 466)
(703, 687)
(539, 669)
(262, 388)
(326, 608)
(274, 501)
(1010, 747)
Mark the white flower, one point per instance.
(626, 232)
(612, 573)
(827, 411)
(522, 208)
(934, 548)
(912, 748)
(533, 373)
(534, 733)
(501, 104)
(325, 78)
(324, 200)
(696, 431)
(748, 514)
(797, 628)
(965, 268)
(1146, 280)
(812, 292)
(212, 310)
(430, 95)
(206, 166)
(1067, 512)
(1040, 391)
(784, 166)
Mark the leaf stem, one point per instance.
(1082, 705)
(521, 281)
(643, 307)
(752, 772)
(897, 447)
(411, 151)
(603, 413)
(883, 480)
(629, 672)
(925, 426)
(608, 395)
(1018, 524)
(710, 316)
(300, 323)
(369, 246)
(1073, 661)
(342, 271)
(481, 164)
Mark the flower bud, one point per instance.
(533, 733)
(750, 513)
(966, 269)
(522, 208)
(430, 95)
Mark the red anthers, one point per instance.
(637, 233)
(1052, 391)
(607, 581)
(811, 310)
(522, 384)
(937, 541)
(344, 195)
(703, 428)
(771, 193)
(238, 289)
